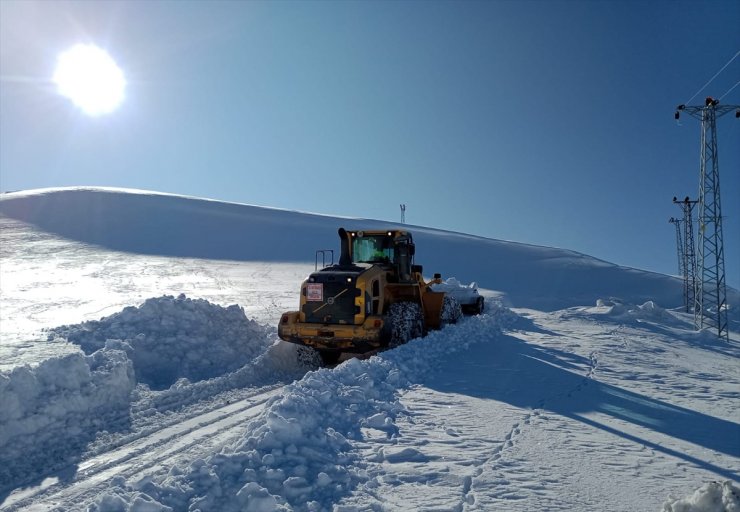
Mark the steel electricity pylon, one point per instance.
(710, 301)
(688, 254)
(679, 244)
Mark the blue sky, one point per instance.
(540, 122)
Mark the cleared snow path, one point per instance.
(196, 437)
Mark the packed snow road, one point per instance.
(142, 458)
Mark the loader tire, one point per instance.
(476, 308)
(451, 311)
(329, 357)
(406, 322)
(308, 357)
(479, 305)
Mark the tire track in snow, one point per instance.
(141, 457)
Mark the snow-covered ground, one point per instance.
(130, 381)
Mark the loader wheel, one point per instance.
(479, 305)
(406, 322)
(451, 310)
(329, 357)
(308, 357)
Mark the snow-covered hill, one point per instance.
(582, 387)
(530, 276)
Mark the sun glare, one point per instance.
(90, 78)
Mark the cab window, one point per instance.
(372, 249)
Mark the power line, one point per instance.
(731, 89)
(712, 79)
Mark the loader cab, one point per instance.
(391, 249)
(372, 248)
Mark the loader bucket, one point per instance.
(432, 302)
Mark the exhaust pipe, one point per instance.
(345, 260)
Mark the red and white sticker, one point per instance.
(315, 291)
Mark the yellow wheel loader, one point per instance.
(374, 297)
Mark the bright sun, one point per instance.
(90, 78)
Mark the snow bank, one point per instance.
(646, 312)
(48, 413)
(299, 453)
(711, 497)
(170, 338)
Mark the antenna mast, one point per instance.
(403, 214)
(710, 302)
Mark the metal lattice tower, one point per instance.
(710, 301)
(403, 214)
(688, 256)
(679, 245)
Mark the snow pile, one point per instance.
(711, 497)
(646, 312)
(299, 453)
(139, 503)
(48, 413)
(171, 338)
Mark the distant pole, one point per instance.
(710, 303)
(689, 252)
(403, 214)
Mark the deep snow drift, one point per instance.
(175, 338)
(56, 408)
(176, 345)
(592, 392)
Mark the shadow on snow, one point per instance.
(509, 370)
